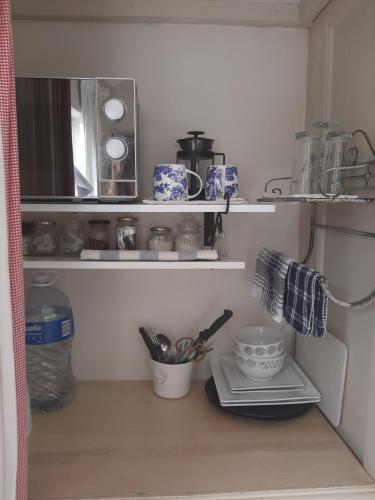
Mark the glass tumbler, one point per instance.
(332, 162)
(306, 165)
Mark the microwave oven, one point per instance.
(77, 139)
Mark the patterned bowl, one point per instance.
(260, 342)
(260, 368)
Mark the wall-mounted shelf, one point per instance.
(76, 263)
(305, 199)
(146, 208)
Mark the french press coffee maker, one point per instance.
(196, 155)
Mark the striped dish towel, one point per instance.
(147, 255)
(270, 281)
(306, 303)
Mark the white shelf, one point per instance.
(76, 263)
(143, 207)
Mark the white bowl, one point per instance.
(260, 341)
(260, 368)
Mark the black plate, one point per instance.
(265, 412)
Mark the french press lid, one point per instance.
(196, 143)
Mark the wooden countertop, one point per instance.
(120, 440)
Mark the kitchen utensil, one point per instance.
(184, 343)
(306, 167)
(269, 412)
(309, 394)
(260, 368)
(221, 180)
(171, 182)
(324, 361)
(204, 335)
(153, 347)
(147, 341)
(196, 143)
(165, 344)
(260, 341)
(197, 156)
(171, 380)
(287, 379)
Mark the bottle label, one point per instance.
(48, 332)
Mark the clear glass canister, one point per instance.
(160, 239)
(332, 162)
(126, 233)
(98, 237)
(27, 238)
(188, 237)
(44, 238)
(306, 167)
(72, 237)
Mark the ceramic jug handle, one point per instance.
(190, 196)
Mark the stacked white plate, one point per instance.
(290, 386)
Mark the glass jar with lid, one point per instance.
(188, 237)
(44, 237)
(126, 233)
(27, 238)
(98, 237)
(72, 237)
(160, 239)
(306, 166)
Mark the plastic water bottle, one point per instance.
(49, 335)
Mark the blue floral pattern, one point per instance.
(221, 180)
(170, 183)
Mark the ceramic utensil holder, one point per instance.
(172, 381)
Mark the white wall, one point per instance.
(246, 88)
(341, 86)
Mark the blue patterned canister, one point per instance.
(221, 179)
(171, 183)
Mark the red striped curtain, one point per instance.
(8, 123)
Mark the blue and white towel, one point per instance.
(270, 281)
(306, 303)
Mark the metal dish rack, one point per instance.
(358, 178)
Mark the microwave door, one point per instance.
(83, 124)
(56, 122)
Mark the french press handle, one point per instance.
(222, 156)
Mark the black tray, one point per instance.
(265, 412)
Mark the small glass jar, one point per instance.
(27, 238)
(160, 239)
(126, 233)
(72, 238)
(98, 237)
(188, 237)
(44, 238)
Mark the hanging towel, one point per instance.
(306, 303)
(270, 281)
